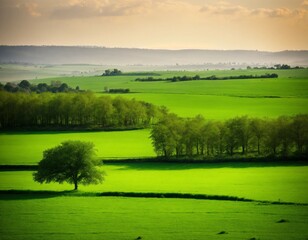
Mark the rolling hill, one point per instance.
(127, 56)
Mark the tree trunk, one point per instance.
(76, 185)
(231, 151)
(274, 151)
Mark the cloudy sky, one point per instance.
(271, 25)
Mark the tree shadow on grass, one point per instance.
(161, 166)
(31, 194)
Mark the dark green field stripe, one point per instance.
(45, 194)
(256, 161)
(18, 167)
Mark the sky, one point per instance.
(268, 25)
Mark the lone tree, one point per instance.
(72, 162)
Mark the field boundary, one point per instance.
(209, 160)
(73, 193)
(276, 161)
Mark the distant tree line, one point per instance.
(213, 77)
(277, 66)
(200, 138)
(26, 86)
(117, 72)
(73, 110)
(112, 72)
(282, 66)
(117, 90)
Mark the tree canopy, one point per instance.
(200, 138)
(26, 86)
(72, 162)
(73, 111)
(113, 72)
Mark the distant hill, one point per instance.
(127, 56)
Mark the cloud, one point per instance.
(96, 8)
(225, 8)
(275, 13)
(305, 3)
(110, 8)
(281, 13)
(30, 8)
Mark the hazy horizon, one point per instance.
(163, 49)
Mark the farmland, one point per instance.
(270, 182)
(38, 216)
(219, 99)
(26, 148)
(287, 95)
(153, 120)
(123, 218)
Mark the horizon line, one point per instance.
(158, 49)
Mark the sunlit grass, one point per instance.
(224, 107)
(272, 183)
(27, 148)
(286, 95)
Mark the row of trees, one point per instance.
(117, 72)
(213, 77)
(26, 86)
(283, 136)
(71, 110)
(276, 66)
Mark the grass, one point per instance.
(251, 181)
(224, 107)
(287, 95)
(41, 217)
(290, 83)
(27, 147)
(126, 218)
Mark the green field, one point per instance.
(289, 83)
(217, 99)
(224, 107)
(253, 181)
(123, 218)
(33, 216)
(220, 99)
(27, 148)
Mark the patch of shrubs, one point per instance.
(114, 72)
(118, 90)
